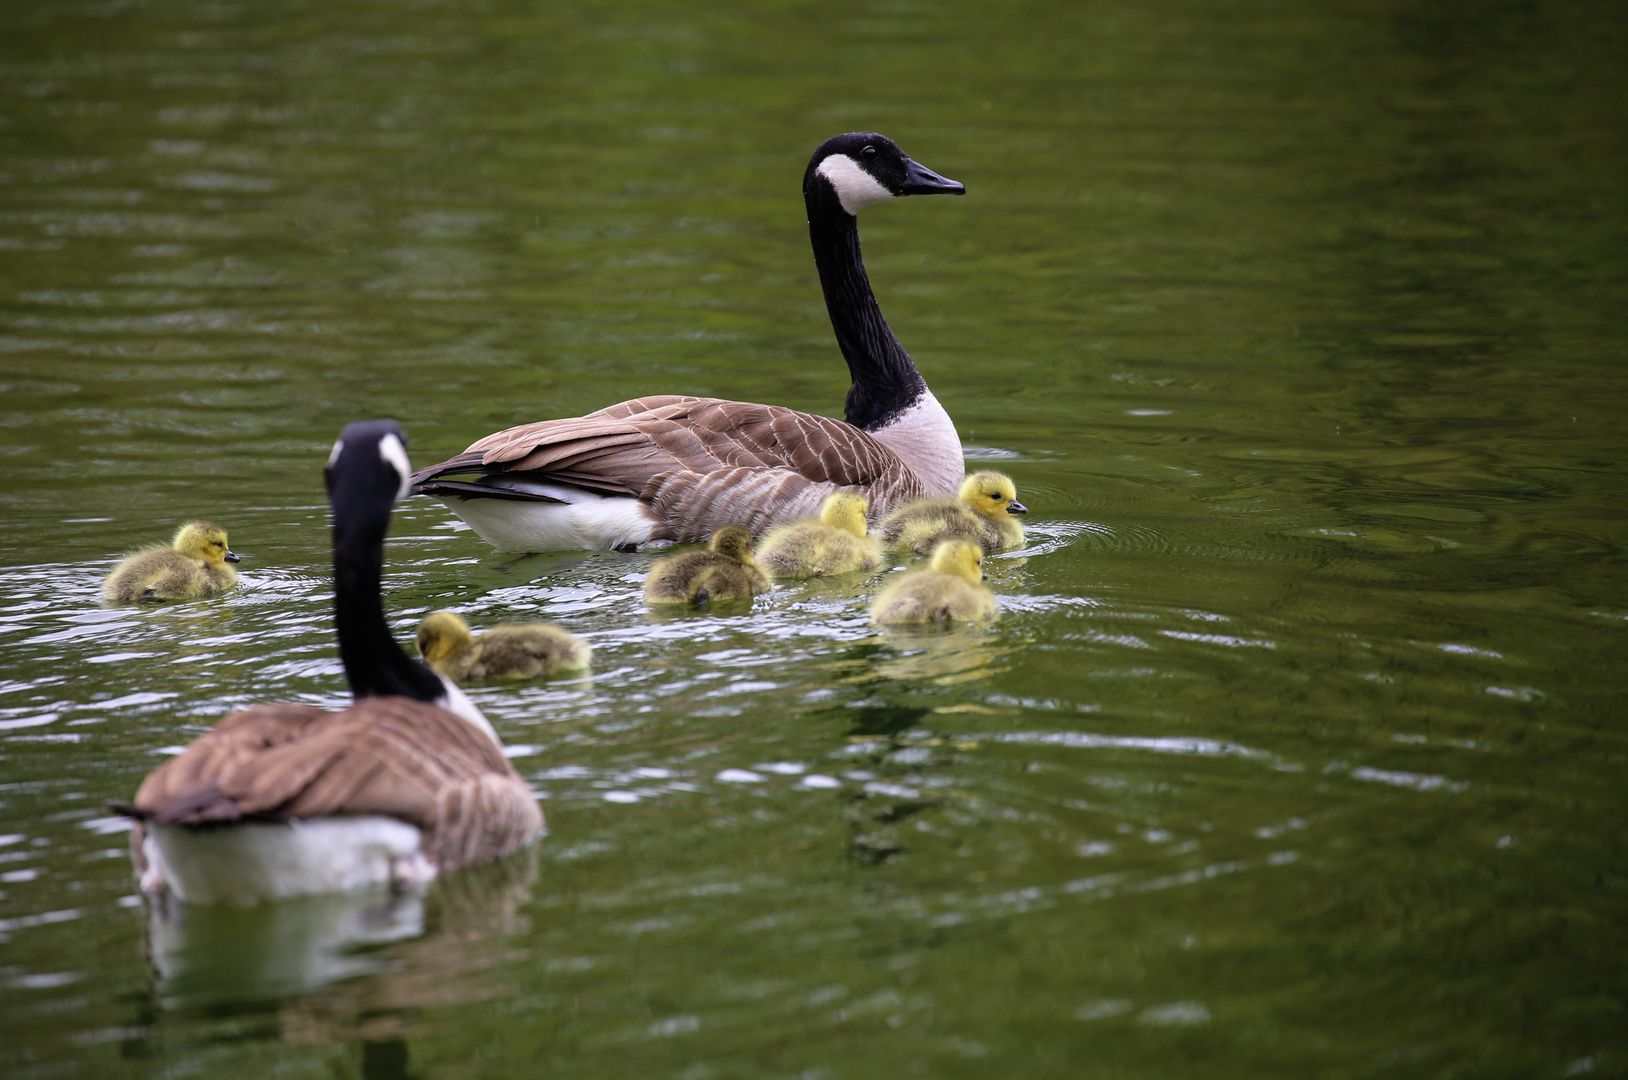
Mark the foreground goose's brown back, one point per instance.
(394, 756)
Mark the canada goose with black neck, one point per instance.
(671, 468)
(284, 800)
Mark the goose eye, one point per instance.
(869, 151)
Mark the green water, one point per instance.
(1298, 750)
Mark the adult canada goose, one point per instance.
(726, 570)
(675, 469)
(193, 566)
(950, 588)
(512, 651)
(835, 543)
(284, 800)
(981, 512)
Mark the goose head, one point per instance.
(846, 511)
(205, 541)
(441, 636)
(991, 493)
(734, 543)
(860, 168)
(959, 558)
(365, 475)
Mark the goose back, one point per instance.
(391, 756)
(695, 464)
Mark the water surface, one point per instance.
(1297, 750)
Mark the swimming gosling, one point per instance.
(950, 588)
(192, 567)
(727, 570)
(513, 651)
(981, 512)
(833, 543)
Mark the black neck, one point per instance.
(375, 666)
(886, 381)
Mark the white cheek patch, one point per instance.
(333, 456)
(856, 188)
(395, 454)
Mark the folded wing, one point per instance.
(387, 755)
(698, 463)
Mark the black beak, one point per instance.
(1015, 507)
(920, 180)
(232, 556)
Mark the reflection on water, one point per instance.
(344, 967)
(942, 655)
(220, 952)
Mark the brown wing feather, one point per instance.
(701, 463)
(388, 755)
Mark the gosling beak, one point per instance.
(1015, 507)
(232, 556)
(920, 180)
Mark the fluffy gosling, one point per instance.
(950, 588)
(192, 567)
(835, 543)
(515, 651)
(727, 570)
(981, 512)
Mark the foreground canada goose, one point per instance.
(981, 512)
(193, 566)
(950, 588)
(284, 800)
(834, 544)
(513, 651)
(675, 469)
(726, 570)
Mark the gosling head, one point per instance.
(846, 511)
(442, 634)
(960, 558)
(204, 540)
(732, 542)
(991, 493)
(860, 168)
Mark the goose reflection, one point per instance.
(344, 967)
(942, 656)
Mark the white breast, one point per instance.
(924, 438)
(253, 861)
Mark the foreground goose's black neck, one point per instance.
(362, 492)
(886, 381)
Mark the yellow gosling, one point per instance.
(512, 651)
(195, 565)
(835, 543)
(950, 588)
(981, 512)
(727, 570)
